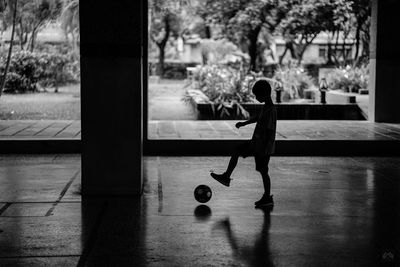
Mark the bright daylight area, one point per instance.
(205, 55)
(39, 58)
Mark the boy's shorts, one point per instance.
(262, 159)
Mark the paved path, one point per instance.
(46, 129)
(286, 130)
(213, 137)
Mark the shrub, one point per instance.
(27, 65)
(225, 87)
(48, 69)
(13, 83)
(349, 79)
(228, 86)
(294, 81)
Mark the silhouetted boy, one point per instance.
(261, 145)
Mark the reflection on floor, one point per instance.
(328, 211)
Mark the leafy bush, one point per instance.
(294, 81)
(13, 82)
(228, 86)
(349, 79)
(48, 69)
(26, 64)
(225, 87)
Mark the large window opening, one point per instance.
(40, 68)
(205, 55)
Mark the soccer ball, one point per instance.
(202, 193)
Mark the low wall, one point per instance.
(287, 111)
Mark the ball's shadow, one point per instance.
(202, 212)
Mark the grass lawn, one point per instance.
(165, 101)
(64, 105)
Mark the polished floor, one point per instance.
(329, 211)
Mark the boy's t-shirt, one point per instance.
(264, 133)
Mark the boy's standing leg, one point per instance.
(266, 180)
(262, 162)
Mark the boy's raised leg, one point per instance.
(225, 178)
(232, 165)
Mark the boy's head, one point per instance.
(262, 90)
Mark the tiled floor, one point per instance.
(46, 129)
(286, 130)
(329, 211)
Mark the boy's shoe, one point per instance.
(222, 178)
(265, 201)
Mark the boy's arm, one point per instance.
(244, 123)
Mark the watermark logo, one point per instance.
(388, 256)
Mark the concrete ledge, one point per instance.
(337, 97)
(215, 147)
(283, 147)
(40, 146)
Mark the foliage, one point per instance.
(361, 13)
(307, 18)
(31, 17)
(294, 81)
(165, 21)
(13, 82)
(27, 69)
(298, 21)
(70, 22)
(242, 21)
(225, 87)
(349, 79)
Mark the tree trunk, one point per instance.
(304, 48)
(162, 44)
(358, 30)
(20, 33)
(329, 52)
(253, 37)
(4, 78)
(301, 54)
(288, 46)
(283, 55)
(32, 40)
(161, 59)
(34, 35)
(207, 31)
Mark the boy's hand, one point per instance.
(239, 124)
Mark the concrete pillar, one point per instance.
(111, 93)
(384, 105)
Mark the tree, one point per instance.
(164, 21)
(70, 22)
(13, 10)
(361, 10)
(308, 18)
(32, 15)
(242, 21)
